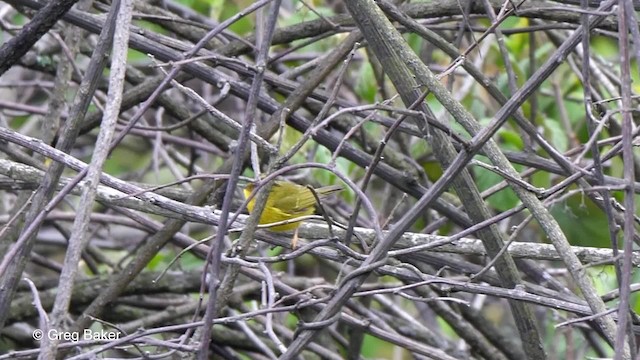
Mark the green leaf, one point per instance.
(512, 140)
(502, 200)
(231, 8)
(556, 133)
(582, 222)
(366, 86)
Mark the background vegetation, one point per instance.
(488, 160)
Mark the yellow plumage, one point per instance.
(288, 201)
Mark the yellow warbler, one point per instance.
(288, 201)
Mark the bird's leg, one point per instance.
(294, 240)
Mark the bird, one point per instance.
(288, 201)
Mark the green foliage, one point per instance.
(541, 179)
(605, 47)
(415, 42)
(556, 134)
(433, 170)
(17, 19)
(20, 120)
(124, 159)
(168, 260)
(366, 86)
(502, 200)
(135, 56)
(227, 8)
(158, 261)
(44, 61)
(204, 7)
(517, 44)
(582, 222)
(511, 139)
(374, 348)
(303, 13)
